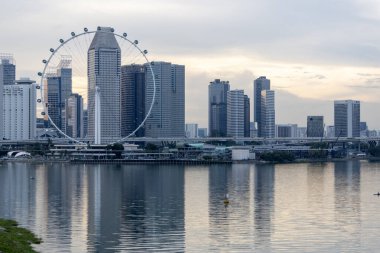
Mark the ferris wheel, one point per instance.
(103, 73)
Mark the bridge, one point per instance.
(203, 140)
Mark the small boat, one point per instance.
(226, 201)
(378, 194)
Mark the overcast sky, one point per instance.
(314, 51)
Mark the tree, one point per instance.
(117, 149)
(374, 151)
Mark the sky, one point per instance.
(314, 51)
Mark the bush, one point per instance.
(374, 151)
(277, 156)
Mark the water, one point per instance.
(327, 207)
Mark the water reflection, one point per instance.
(329, 207)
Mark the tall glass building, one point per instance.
(260, 84)
(132, 99)
(268, 116)
(167, 118)
(7, 77)
(315, 126)
(347, 118)
(104, 73)
(59, 88)
(217, 108)
(235, 113)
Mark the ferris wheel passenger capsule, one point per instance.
(38, 87)
(124, 34)
(44, 61)
(51, 50)
(39, 73)
(61, 41)
(85, 29)
(136, 42)
(38, 100)
(43, 113)
(73, 34)
(145, 51)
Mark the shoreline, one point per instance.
(185, 162)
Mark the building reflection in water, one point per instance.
(347, 202)
(196, 208)
(264, 180)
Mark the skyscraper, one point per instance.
(347, 118)
(247, 112)
(260, 84)
(104, 60)
(132, 99)
(191, 130)
(286, 130)
(7, 77)
(217, 108)
(59, 88)
(74, 116)
(315, 126)
(167, 118)
(19, 110)
(268, 114)
(235, 113)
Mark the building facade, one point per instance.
(104, 73)
(247, 118)
(268, 115)
(7, 77)
(286, 130)
(19, 110)
(235, 113)
(347, 118)
(260, 84)
(167, 118)
(191, 130)
(315, 126)
(59, 88)
(132, 99)
(217, 108)
(74, 116)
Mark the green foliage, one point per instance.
(117, 149)
(320, 145)
(277, 156)
(16, 239)
(374, 151)
(151, 147)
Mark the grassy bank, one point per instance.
(16, 239)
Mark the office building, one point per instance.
(85, 123)
(364, 129)
(74, 116)
(347, 118)
(286, 130)
(217, 108)
(330, 131)
(301, 132)
(260, 84)
(19, 110)
(253, 130)
(167, 118)
(315, 126)
(132, 99)
(104, 67)
(59, 88)
(235, 113)
(191, 130)
(267, 114)
(202, 132)
(7, 77)
(247, 112)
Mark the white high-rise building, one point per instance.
(235, 113)
(268, 114)
(19, 110)
(104, 70)
(347, 118)
(74, 116)
(191, 130)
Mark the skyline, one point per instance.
(308, 50)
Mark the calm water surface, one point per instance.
(327, 207)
